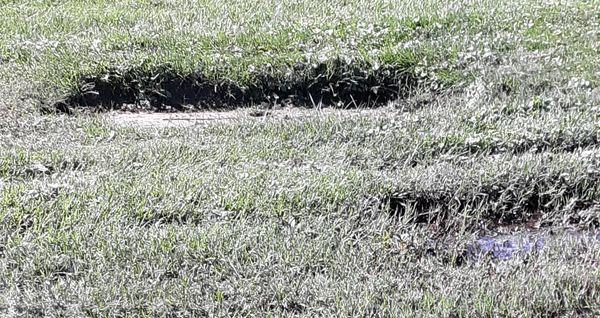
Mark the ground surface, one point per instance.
(468, 187)
(244, 115)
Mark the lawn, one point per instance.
(439, 158)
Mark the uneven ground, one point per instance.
(470, 121)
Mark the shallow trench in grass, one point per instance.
(327, 84)
(550, 201)
(495, 208)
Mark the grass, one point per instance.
(487, 115)
(154, 53)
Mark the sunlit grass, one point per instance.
(344, 213)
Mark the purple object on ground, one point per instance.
(539, 244)
(527, 247)
(508, 244)
(481, 247)
(503, 254)
(503, 250)
(486, 244)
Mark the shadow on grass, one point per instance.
(503, 205)
(330, 84)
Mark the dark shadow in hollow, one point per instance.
(331, 84)
(501, 204)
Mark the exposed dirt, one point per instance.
(179, 119)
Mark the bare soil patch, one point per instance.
(202, 118)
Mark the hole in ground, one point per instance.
(329, 84)
(499, 205)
